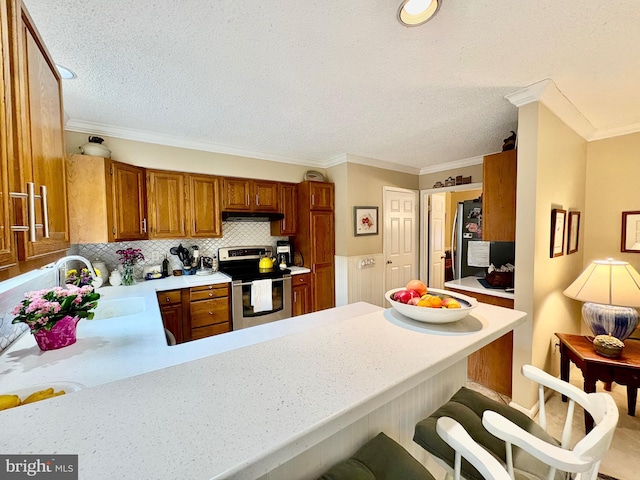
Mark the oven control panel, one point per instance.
(244, 253)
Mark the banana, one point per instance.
(9, 401)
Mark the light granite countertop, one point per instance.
(230, 406)
(471, 284)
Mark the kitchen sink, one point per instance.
(122, 307)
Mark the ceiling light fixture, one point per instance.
(65, 73)
(416, 12)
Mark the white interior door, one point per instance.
(437, 212)
(400, 236)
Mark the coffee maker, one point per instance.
(284, 252)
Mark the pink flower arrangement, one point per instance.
(129, 256)
(42, 309)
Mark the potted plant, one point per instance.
(52, 314)
(128, 258)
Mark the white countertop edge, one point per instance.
(471, 284)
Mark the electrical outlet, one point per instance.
(155, 256)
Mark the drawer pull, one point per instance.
(168, 299)
(210, 287)
(211, 294)
(210, 313)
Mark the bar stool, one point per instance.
(497, 427)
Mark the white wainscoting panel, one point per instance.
(360, 278)
(366, 282)
(396, 419)
(342, 281)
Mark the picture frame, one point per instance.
(630, 238)
(573, 232)
(558, 220)
(365, 221)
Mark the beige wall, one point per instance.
(428, 180)
(363, 186)
(613, 170)
(163, 157)
(552, 162)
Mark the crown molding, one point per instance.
(370, 162)
(337, 160)
(443, 167)
(616, 132)
(181, 142)
(547, 93)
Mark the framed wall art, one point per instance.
(573, 230)
(558, 219)
(630, 232)
(365, 220)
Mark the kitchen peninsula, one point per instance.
(281, 400)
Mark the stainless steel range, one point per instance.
(258, 295)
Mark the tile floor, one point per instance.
(622, 461)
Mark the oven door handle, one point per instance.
(250, 283)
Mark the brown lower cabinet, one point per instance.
(196, 312)
(491, 366)
(301, 294)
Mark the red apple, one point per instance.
(413, 301)
(403, 296)
(413, 293)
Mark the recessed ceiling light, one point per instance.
(65, 73)
(416, 12)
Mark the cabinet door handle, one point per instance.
(257, 201)
(248, 200)
(295, 296)
(31, 208)
(144, 225)
(45, 211)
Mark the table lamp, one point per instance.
(610, 290)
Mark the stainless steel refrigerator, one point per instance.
(467, 227)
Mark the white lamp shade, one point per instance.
(607, 282)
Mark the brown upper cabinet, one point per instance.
(499, 177)
(117, 210)
(128, 204)
(288, 202)
(320, 196)
(180, 204)
(8, 256)
(205, 214)
(37, 172)
(247, 195)
(183, 205)
(167, 204)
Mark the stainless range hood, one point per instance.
(251, 216)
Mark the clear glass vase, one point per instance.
(127, 275)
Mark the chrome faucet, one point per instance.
(63, 262)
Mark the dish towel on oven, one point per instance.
(261, 295)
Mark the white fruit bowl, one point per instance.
(434, 315)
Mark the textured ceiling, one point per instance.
(312, 80)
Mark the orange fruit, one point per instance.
(418, 286)
(423, 302)
(434, 301)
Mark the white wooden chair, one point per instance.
(585, 457)
(498, 427)
(465, 447)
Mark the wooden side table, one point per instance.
(624, 370)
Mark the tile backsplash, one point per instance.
(234, 234)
